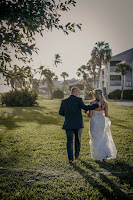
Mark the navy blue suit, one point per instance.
(71, 109)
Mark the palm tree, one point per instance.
(123, 68)
(93, 67)
(101, 54)
(40, 71)
(49, 77)
(64, 75)
(19, 76)
(83, 72)
(57, 60)
(35, 84)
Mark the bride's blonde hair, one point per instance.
(99, 96)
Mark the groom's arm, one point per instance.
(88, 107)
(61, 110)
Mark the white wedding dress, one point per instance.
(101, 142)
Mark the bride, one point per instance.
(101, 142)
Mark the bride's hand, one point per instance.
(87, 113)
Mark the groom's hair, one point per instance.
(73, 89)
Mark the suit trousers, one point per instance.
(69, 134)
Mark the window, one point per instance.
(129, 79)
(112, 68)
(113, 65)
(115, 80)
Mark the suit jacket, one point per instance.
(71, 109)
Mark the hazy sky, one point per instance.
(103, 20)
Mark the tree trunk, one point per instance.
(84, 87)
(99, 73)
(94, 79)
(87, 84)
(51, 91)
(51, 95)
(64, 85)
(122, 90)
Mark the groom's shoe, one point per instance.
(70, 163)
(78, 158)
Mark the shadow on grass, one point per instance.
(116, 193)
(11, 161)
(119, 123)
(126, 171)
(40, 115)
(120, 166)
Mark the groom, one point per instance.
(73, 124)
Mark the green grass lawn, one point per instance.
(33, 157)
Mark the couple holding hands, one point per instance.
(101, 142)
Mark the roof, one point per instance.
(124, 56)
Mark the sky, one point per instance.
(102, 20)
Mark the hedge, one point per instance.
(116, 94)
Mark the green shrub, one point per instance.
(19, 98)
(58, 93)
(128, 94)
(116, 94)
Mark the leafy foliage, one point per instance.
(65, 82)
(84, 72)
(58, 93)
(64, 75)
(21, 20)
(19, 77)
(116, 94)
(128, 94)
(123, 68)
(48, 78)
(101, 53)
(35, 84)
(57, 60)
(19, 98)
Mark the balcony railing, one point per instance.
(115, 83)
